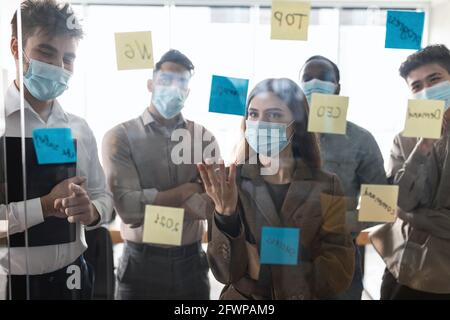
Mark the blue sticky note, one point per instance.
(279, 245)
(228, 95)
(404, 29)
(54, 145)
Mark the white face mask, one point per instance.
(169, 101)
(440, 91)
(170, 93)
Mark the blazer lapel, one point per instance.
(260, 198)
(298, 191)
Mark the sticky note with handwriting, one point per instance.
(404, 29)
(424, 119)
(54, 145)
(279, 245)
(228, 95)
(328, 113)
(134, 50)
(378, 203)
(290, 19)
(163, 225)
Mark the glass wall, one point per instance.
(81, 196)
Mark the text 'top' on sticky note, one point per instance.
(134, 50)
(404, 29)
(163, 225)
(280, 245)
(424, 119)
(378, 203)
(54, 145)
(290, 19)
(228, 95)
(328, 113)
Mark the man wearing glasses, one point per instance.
(143, 169)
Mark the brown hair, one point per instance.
(305, 144)
(51, 17)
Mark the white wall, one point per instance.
(440, 22)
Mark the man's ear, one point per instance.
(14, 45)
(150, 85)
(338, 89)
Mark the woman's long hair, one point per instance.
(305, 144)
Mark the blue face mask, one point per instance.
(168, 100)
(45, 81)
(317, 86)
(440, 91)
(267, 138)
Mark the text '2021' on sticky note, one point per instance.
(279, 245)
(163, 225)
(54, 145)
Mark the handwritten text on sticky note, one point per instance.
(404, 29)
(424, 119)
(290, 19)
(134, 50)
(279, 245)
(378, 203)
(54, 145)
(328, 114)
(228, 95)
(163, 225)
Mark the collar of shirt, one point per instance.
(148, 119)
(12, 105)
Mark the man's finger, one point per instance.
(77, 180)
(73, 211)
(78, 190)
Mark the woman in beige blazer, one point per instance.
(280, 184)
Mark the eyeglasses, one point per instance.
(167, 79)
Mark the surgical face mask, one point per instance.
(45, 81)
(267, 138)
(317, 86)
(168, 100)
(440, 91)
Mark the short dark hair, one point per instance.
(53, 18)
(333, 65)
(437, 53)
(177, 57)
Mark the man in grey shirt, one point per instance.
(354, 157)
(146, 164)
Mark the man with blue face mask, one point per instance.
(43, 269)
(354, 157)
(416, 246)
(145, 166)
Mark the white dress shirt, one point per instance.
(47, 259)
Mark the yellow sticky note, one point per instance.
(328, 114)
(290, 19)
(424, 119)
(163, 225)
(378, 203)
(134, 50)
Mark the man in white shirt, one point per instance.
(49, 51)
